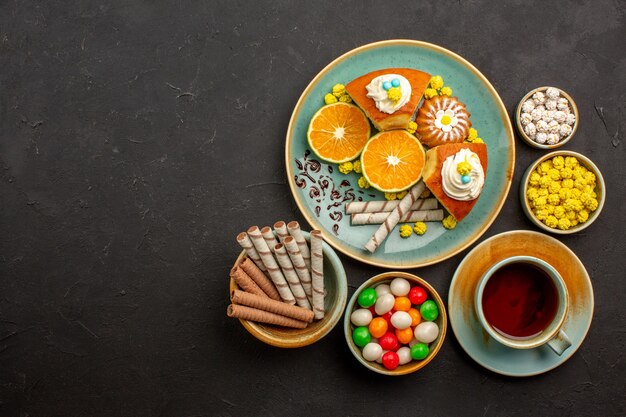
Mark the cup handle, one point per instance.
(560, 343)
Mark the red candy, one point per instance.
(391, 360)
(389, 341)
(387, 317)
(417, 295)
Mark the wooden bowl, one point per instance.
(442, 322)
(336, 287)
(600, 191)
(520, 129)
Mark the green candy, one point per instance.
(429, 310)
(419, 351)
(361, 336)
(367, 298)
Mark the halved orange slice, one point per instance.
(338, 132)
(392, 161)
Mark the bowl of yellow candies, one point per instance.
(562, 192)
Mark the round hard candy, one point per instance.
(384, 304)
(417, 295)
(416, 317)
(367, 297)
(426, 332)
(361, 336)
(401, 320)
(388, 341)
(372, 351)
(428, 310)
(378, 327)
(419, 351)
(382, 289)
(400, 286)
(402, 304)
(361, 317)
(404, 355)
(391, 360)
(405, 335)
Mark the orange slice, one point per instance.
(338, 132)
(392, 161)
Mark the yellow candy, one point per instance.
(531, 194)
(541, 214)
(534, 178)
(345, 99)
(540, 202)
(550, 208)
(554, 187)
(582, 216)
(449, 222)
(554, 174)
(412, 127)
(436, 82)
(401, 194)
(545, 181)
(570, 215)
(464, 168)
(571, 162)
(446, 91)
(566, 172)
(572, 204)
(390, 196)
(543, 192)
(564, 224)
(330, 99)
(339, 90)
(564, 193)
(345, 168)
(394, 94)
(592, 204)
(473, 133)
(569, 183)
(576, 193)
(554, 199)
(551, 221)
(478, 140)
(558, 162)
(420, 228)
(356, 166)
(405, 231)
(363, 183)
(559, 212)
(430, 93)
(544, 167)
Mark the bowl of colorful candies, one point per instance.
(395, 323)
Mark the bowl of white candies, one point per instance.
(546, 118)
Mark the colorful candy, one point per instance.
(384, 304)
(400, 286)
(401, 320)
(402, 304)
(383, 289)
(361, 317)
(372, 351)
(361, 336)
(391, 360)
(367, 298)
(426, 332)
(416, 317)
(429, 310)
(417, 295)
(419, 351)
(405, 335)
(404, 355)
(389, 341)
(378, 327)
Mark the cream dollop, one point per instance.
(376, 92)
(452, 181)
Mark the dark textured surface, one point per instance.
(137, 138)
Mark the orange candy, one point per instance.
(402, 304)
(378, 327)
(415, 316)
(404, 335)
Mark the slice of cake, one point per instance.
(455, 174)
(389, 97)
(442, 120)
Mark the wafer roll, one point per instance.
(291, 276)
(244, 281)
(387, 206)
(244, 240)
(270, 263)
(411, 216)
(269, 237)
(260, 278)
(394, 217)
(254, 314)
(294, 230)
(298, 263)
(273, 306)
(317, 273)
(281, 230)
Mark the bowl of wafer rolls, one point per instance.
(288, 287)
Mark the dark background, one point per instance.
(137, 138)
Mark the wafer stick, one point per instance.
(270, 263)
(298, 263)
(292, 277)
(254, 314)
(244, 240)
(273, 306)
(394, 217)
(387, 206)
(317, 273)
(411, 216)
(294, 230)
(281, 230)
(244, 281)
(268, 235)
(260, 278)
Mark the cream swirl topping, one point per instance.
(462, 187)
(376, 92)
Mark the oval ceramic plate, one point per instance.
(477, 342)
(321, 191)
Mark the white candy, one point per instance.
(553, 139)
(541, 107)
(551, 104)
(525, 118)
(560, 116)
(380, 358)
(539, 98)
(404, 354)
(536, 114)
(361, 317)
(528, 106)
(372, 351)
(541, 137)
(382, 289)
(565, 130)
(548, 115)
(562, 104)
(553, 127)
(541, 126)
(384, 304)
(552, 92)
(401, 320)
(530, 129)
(400, 287)
(571, 119)
(426, 332)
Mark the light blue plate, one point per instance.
(321, 191)
(477, 342)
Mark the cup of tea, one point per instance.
(522, 303)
